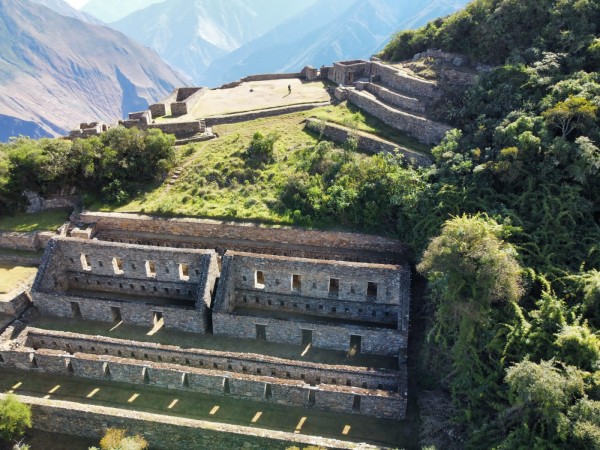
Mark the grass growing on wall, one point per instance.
(43, 221)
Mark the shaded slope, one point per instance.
(56, 71)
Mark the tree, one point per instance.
(470, 267)
(15, 418)
(575, 112)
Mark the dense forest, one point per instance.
(513, 208)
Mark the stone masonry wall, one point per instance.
(167, 432)
(246, 363)
(378, 341)
(253, 115)
(141, 314)
(408, 85)
(421, 128)
(287, 392)
(186, 100)
(229, 231)
(373, 144)
(394, 98)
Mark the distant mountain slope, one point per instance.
(328, 31)
(64, 9)
(189, 35)
(113, 10)
(56, 71)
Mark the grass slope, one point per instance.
(217, 182)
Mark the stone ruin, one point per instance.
(301, 290)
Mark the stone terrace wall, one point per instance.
(378, 341)
(399, 100)
(396, 79)
(228, 231)
(247, 363)
(259, 114)
(381, 404)
(100, 309)
(19, 241)
(167, 432)
(372, 144)
(421, 128)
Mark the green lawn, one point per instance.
(217, 182)
(198, 406)
(43, 221)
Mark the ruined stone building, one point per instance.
(340, 292)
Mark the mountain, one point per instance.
(328, 31)
(113, 10)
(57, 71)
(190, 35)
(64, 9)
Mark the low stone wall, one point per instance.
(19, 241)
(259, 114)
(158, 110)
(167, 432)
(378, 341)
(229, 231)
(17, 305)
(37, 203)
(33, 260)
(246, 363)
(402, 82)
(394, 98)
(423, 129)
(141, 314)
(372, 144)
(381, 404)
(271, 76)
(187, 98)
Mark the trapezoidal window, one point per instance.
(117, 265)
(259, 279)
(184, 272)
(334, 287)
(151, 269)
(85, 262)
(296, 283)
(371, 290)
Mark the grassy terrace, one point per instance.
(208, 407)
(43, 221)
(217, 182)
(11, 276)
(211, 342)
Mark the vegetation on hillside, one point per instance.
(15, 419)
(114, 165)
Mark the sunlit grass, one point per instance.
(43, 221)
(11, 276)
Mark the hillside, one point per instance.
(326, 32)
(190, 35)
(61, 7)
(57, 71)
(113, 10)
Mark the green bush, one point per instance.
(15, 418)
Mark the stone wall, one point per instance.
(16, 305)
(394, 98)
(381, 404)
(334, 245)
(421, 128)
(186, 100)
(37, 203)
(103, 281)
(19, 241)
(378, 341)
(158, 110)
(348, 72)
(271, 76)
(244, 363)
(167, 432)
(259, 114)
(367, 143)
(403, 82)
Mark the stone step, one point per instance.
(393, 97)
